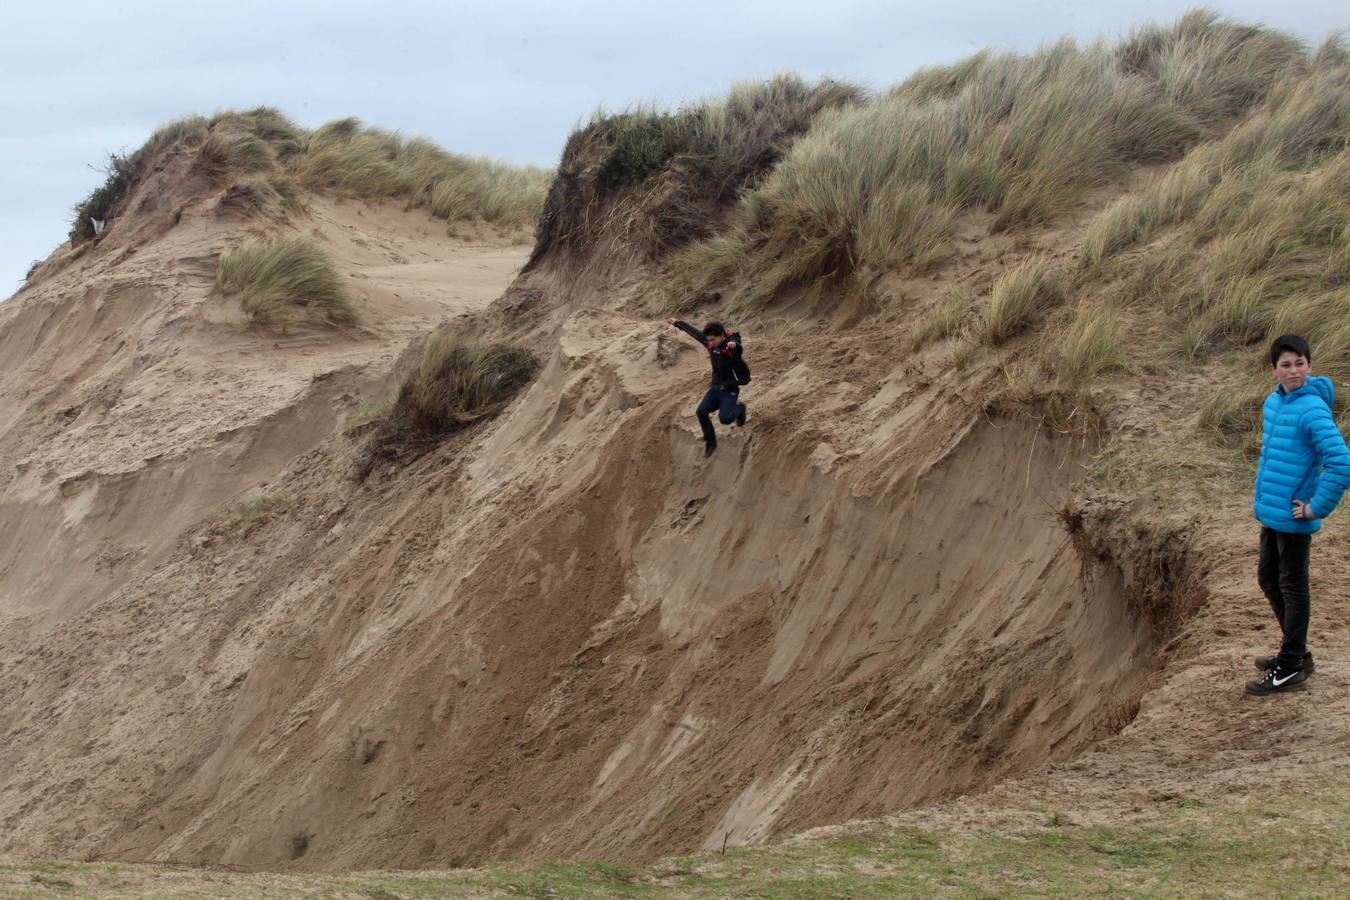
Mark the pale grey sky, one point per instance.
(508, 79)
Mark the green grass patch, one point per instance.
(280, 279)
(877, 185)
(1019, 299)
(457, 383)
(655, 180)
(261, 149)
(1280, 840)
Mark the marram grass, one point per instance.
(284, 278)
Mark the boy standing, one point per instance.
(728, 374)
(1303, 471)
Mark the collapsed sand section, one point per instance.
(568, 635)
(135, 400)
(836, 656)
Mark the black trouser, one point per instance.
(728, 410)
(1283, 575)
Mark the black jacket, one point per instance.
(723, 358)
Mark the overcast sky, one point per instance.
(508, 79)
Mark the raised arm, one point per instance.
(688, 329)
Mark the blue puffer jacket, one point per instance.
(1303, 457)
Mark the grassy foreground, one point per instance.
(1293, 843)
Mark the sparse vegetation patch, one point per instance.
(123, 171)
(262, 148)
(1187, 845)
(656, 180)
(1092, 345)
(459, 382)
(944, 319)
(279, 278)
(1019, 299)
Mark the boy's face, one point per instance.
(714, 340)
(1292, 370)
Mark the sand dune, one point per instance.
(902, 590)
(136, 400)
(563, 633)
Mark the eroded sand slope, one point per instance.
(564, 632)
(135, 400)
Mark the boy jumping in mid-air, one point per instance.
(1303, 471)
(729, 372)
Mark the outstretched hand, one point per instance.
(670, 322)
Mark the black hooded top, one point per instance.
(724, 359)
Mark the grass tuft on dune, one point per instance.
(280, 279)
(344, 156)
(655, 180)
(457, 383)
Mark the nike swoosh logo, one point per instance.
(1279, 682)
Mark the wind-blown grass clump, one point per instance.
(1018, 300)
(655, 180)
(1265, 254)
(283, 278)
(259, 196)
(368, 162)
(1248, 238)
(944, 319)
(1091, 346)
(878, 185)
(261, 147)
(124, 171)
(457, 383)
(1304, 123)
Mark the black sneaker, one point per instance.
(1266, 663)
(708, 450)
(1277, 681)
(740, 420)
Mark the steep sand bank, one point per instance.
(563, 632)
(135, 400)
(566, 633)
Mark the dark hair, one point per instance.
(1289, 343)
(714, 329)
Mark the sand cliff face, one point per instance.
(562, 633)
(136, 400)
(956, 569)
